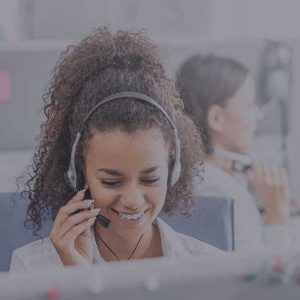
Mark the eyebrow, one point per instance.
(117, 173)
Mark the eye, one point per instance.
(150, 180)
(111, 183)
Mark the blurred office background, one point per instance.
(262, 34)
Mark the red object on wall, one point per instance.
(5, 85)
(53, 293)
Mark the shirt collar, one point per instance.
(171, 245)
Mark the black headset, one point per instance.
(75, 180)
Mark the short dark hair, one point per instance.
(207, 80)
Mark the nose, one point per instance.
(132, 198)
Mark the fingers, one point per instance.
(70, 207)
(76, 219)
(79, 196)
(256, 175)
(267, 176)
(71, 235)
(282, 186)
(85, 218)
(271, 184)
(276, 180)
(67, 211)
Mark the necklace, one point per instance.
(112, 251)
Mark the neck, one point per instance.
(221, 162)
(230, 161)
(145, 244)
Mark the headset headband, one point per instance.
(175, 172)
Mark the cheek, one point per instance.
(248, 126)
(158, 196)
(103, 197)
(243, 132)
(240, 122)
(248, 118)
(237, 131)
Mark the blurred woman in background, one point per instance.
(219, 94)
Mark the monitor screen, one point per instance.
(225, 277)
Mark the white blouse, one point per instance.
(42, 254)
(250, 233)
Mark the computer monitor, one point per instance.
(225, 277)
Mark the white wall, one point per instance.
(255, 19)
(9, 20)
(227, 18)
(273, 18)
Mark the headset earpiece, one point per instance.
(173, 173)
(71, 179)
(80, 180)
(87, 194)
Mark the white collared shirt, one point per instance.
(250, 233)
(42, 254)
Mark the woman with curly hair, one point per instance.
(115, 133)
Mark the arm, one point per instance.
(271, 185)
(17, 264)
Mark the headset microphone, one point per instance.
(105, 222)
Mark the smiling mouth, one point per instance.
(129, 216)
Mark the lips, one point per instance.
(131, 216)
(126, 216)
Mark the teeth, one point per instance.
(130, 216)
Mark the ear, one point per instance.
(215, 118)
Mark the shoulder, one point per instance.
(197, 247)
(218, 183)
(178, 244)
(38, 254)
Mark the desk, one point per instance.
(225, 277)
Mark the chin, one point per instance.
(130, 233)
(128, 229)
(241, 146)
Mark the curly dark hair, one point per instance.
(102, 64)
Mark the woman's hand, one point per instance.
(271, 185)
(71, 233)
